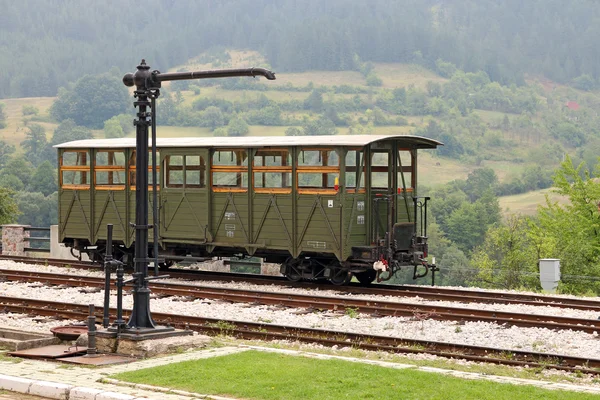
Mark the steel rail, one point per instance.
(424, 292)
(261, 331)
(316, 303)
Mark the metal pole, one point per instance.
(120, 323)
(91, 350)
(107, 266)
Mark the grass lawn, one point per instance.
(259, 375)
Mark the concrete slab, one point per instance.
(98, 360)
(50, 390)
(114, 396)
(15, 384)
(14, 339)
(54, 351)
(84, 393)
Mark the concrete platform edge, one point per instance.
(61, 391)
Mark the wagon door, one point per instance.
(318, 207)
(74, 207)
(382, 190)
(109, 197)
(185, 197)
(272, 204)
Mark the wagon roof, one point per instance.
(258, 141)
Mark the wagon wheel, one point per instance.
(340, 277)
(291, 272)
(366, 277)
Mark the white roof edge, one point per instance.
(254, 141)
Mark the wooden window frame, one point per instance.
(354, 169)
(84, 169)
(406, 168)
(240, 170)
(324, 169)
(185, 167)
(133, 170)
(110, 168)
(264, 169)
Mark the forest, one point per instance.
(46, 44)
(504, 85)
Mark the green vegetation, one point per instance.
(506, 40)
(259, 375)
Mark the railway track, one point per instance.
(269, 332)
(314, 303)
(423, 292)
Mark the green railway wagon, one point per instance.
(324, 207)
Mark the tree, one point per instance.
(19, 167)
(314, 101)
(35, 143)
(212, 117)
(37, 209)
(44, 179)
(508, 258)
(29, 109)
(466, 226)
(5, 151)
(293, 131)
(68, 131)
(479, 181)
(2, 116)
(571, 232)
(92, 100)
(319, 126)
(8, 206)
(113, 129)
(237, 126)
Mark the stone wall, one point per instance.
(15, 239)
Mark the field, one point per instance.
(527, 203)
(14, 133)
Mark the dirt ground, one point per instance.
(4, 395)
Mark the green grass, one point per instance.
(258, 375)
(527, 203)
(403, 75)
(14, 133)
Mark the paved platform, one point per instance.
(60, 381)
(55, 380)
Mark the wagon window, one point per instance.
(314, 158)
(405, 171)
(318, 171)
(195, 172)
(133, 168)
(74, 169)
(109, 170)
(355, 170)
(229, 172)
(272, 171)
(187, 171)
(236, 157)
(380, 170)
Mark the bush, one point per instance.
(30, 110)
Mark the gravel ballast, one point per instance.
(567, 342)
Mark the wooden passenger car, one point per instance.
(323, 206)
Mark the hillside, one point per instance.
(46, 45)
(435, 170)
